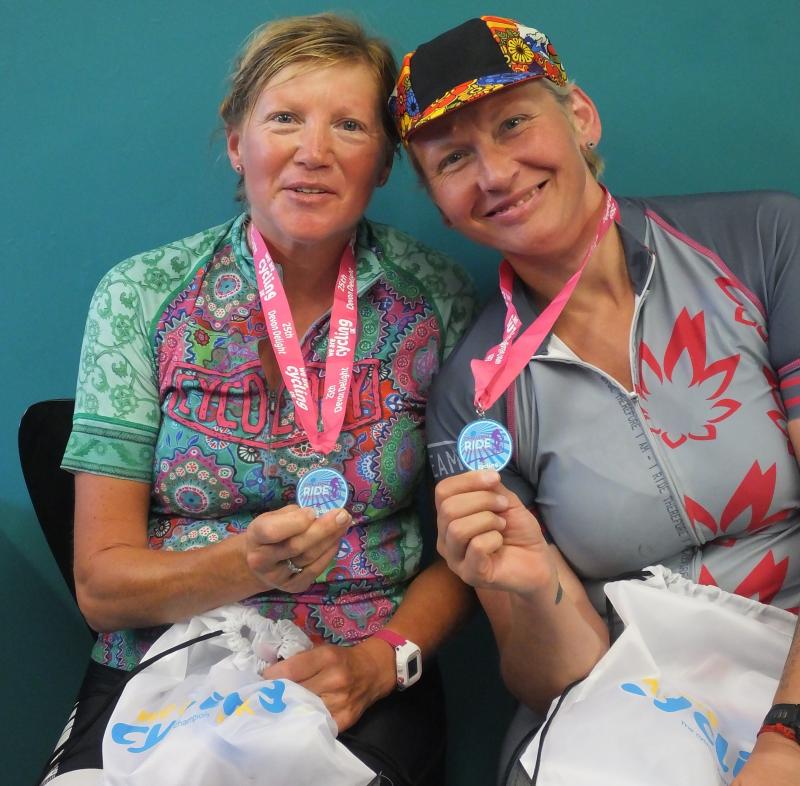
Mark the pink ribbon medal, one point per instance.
(486, 444)
(322, 489)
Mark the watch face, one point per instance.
(408, 660)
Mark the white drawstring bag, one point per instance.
(202, 715)
(679, 697)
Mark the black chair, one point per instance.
(43, 434)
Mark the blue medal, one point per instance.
(323, 490)
(484, 444)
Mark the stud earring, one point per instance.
(239, 169)
(590, 144)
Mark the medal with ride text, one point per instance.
(484, 444)
(322, 421)
(504, 362)
(322, 489)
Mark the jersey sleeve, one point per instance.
(779, 230)
(117, 413)
(449, 410)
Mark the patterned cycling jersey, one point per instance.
(171, 392)
(692, 468)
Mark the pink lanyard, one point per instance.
(321, 424)
(504, 361)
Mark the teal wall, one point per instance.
(107, 147)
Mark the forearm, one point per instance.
(549, 641)
(789, 686)
(128, 586)
(435, 604)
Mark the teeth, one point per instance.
(519, 202)
(516, 204)
(309, 190)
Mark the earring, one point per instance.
(239, 169)
(590, 144)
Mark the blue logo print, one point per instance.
(146, 734)
(704, 719)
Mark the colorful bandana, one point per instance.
(466, 63)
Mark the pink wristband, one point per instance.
(388, 636)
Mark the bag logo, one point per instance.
(150, 728)
(705, 723)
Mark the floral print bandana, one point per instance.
(466, 63)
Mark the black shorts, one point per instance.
(401, 737)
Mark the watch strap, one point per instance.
(407, 658)
(783, 719)
(395, 639)
(779, 728)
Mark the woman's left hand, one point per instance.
(775, 761)
(347, 679)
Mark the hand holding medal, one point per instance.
(289, 547)
(487, 536)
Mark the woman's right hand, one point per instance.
(489, 538)
(297, 534)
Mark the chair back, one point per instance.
(43, 433)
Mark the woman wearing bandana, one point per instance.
(643, 354)
(294, 344)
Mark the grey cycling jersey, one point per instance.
(693, 468)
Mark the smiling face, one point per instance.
(312, 151)
(507, 171)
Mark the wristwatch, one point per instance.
(407, 658)
(783, 719)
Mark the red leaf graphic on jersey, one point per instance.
(706, 577)
(765, 579)
(700, 385)
(699, 515)
(755, 493)
(732, 292)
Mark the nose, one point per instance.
(314, 145)
(496, 168)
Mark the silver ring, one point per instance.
(292, 567)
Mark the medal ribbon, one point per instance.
(322, 422)
(505, 360)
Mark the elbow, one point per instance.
(527, 690)
(90, 609)
(538, 688)
(95, 606)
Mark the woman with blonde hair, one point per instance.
(221, 375)
(630, 395)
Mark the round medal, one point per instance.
(323, 490)
(484, 444)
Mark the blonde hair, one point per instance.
(562, 93)
(315, 40)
